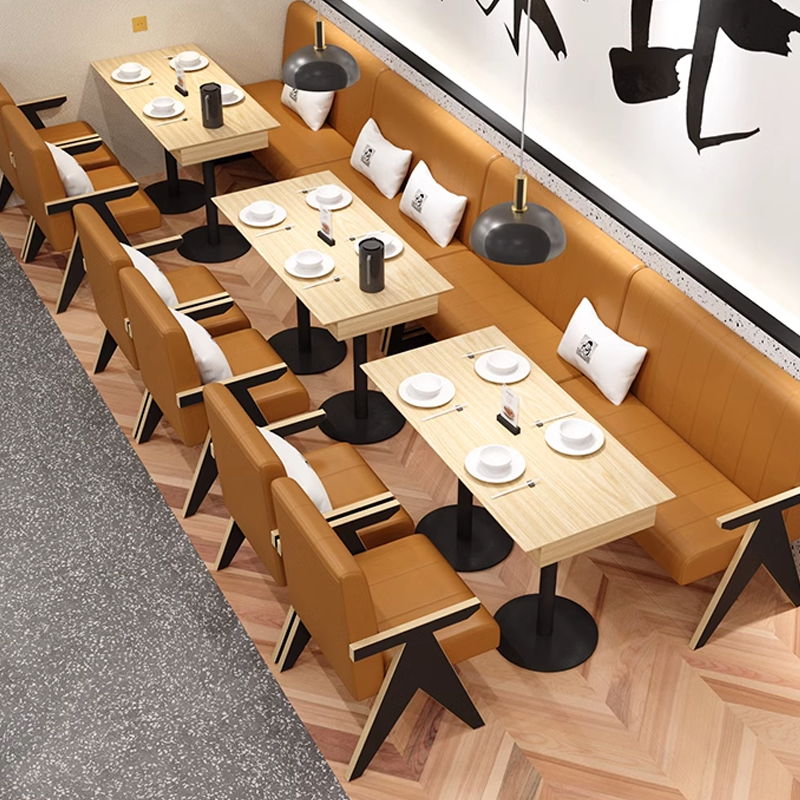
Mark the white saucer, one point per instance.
(553, 437)
(473, 466)
(444, 395)
(391, 244)
(202, 64)
(522, 370)
(278, 216)
(342, 202)
(238, 96)
(177, 110)
(324, 269)
(142, 76)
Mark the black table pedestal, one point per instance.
(176, 195)
(544, 632)
(466, 535)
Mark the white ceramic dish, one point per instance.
(392, 246)
(326, 267)
(482, 368)
(552, 436)
(175, 111)
(445, 394)
(472, 464)
(237, 97)
(278, 217)
(142, 76)
(202, 64)
(343, 202)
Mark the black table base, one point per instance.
(381, 422)
(176, 195)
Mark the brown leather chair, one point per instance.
(248, 465)
(262, 383)
(198, 291)
(390, 620)
(67, 132)
(117, 197)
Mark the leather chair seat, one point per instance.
(101, 157)
(409, 578)
(136, 213)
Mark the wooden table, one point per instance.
(581, 503)
(412, 291)
(246, 126)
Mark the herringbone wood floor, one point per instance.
(645, 718)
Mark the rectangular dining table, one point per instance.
(343, 311)
(576, 503)
(246, 126)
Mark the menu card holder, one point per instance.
(509, 411)
(180, 80)
(325, 231)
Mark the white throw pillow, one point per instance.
(311, 107)
(431, 205)
(377, 158)
(211, 362)
(298, 468)
(155, 277)
(610, 362)
(73, 175)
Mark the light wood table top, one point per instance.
(581, 503)
(246, 124)
(412, 285)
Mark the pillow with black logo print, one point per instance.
(379, 160)
(608, 360)
(430, 205)
(311, 107)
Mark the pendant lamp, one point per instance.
(319, 67)
(516, 233)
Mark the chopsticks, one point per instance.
(277, 230)
(170, 121)
(459, 407)
(334, 279)
(139, 85)
(527, 485)
(478, 352)
(539, 422)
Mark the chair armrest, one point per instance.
(237, 384)
(297, 423)
(755, 511)
(31, 108)
(96, 199)
(209, 306)
(157, 246)
(86, 144)
(348, 520)
(422, 626)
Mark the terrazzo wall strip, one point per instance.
(750, 332)
(124, 672)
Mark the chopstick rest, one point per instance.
(527, 485)
(459, 407)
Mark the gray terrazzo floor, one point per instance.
(123, 671)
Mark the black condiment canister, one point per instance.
(211, 104)
(370, 265)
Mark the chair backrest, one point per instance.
(247, 466)
(327, 588)
(104, 258)
(165, 357)
(38, 177)
(6, 167)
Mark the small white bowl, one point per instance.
(188, 58)
(495, 460)
(329, 193)
(262, 210)
(308, 261)
(575, 432)
(130, 69)
(228, 91)
(502, 362)
(162, 104)
(426, 385)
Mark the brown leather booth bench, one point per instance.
(713, 418)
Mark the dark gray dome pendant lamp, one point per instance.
(516, 233)
(319, 67)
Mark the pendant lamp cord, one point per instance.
(525, 87)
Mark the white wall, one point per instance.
(46, 48)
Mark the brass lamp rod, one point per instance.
(520, 185)
(319, 37)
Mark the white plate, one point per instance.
(142, 76)
(444, 395)
(473, 466)
(278, 216)
(522, 370)
(391, 244)
(202, 64)
(324, 269)
(342, 202)
(553, 437)
(177, 110)
(238, 96)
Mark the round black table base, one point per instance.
(325, 353)
(190, 196)
(382, 421)
(196, 246)
(488, 545)
(573, 640)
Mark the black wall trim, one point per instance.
(702, 274)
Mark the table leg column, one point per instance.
(176, 195)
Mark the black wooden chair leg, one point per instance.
(6, 190)
(293, 639)
(34, 239)
(204, 476)
(73, 275)
(149, 416)
(107, 348)
(230, 545)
